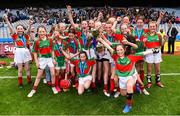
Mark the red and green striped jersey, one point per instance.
(139, 37)
(85, 40)
(83, 69)
(73, 45)
(153, 41)
(125, 66)
(139, 34)
(21, 41)
(43, 47)
(57, 46)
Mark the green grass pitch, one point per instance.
(165, 101)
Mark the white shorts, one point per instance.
(43, 62)
(104, 55)
(22, 55)
(123, 80)
(153, 58)
(82, 80)
(90, 53)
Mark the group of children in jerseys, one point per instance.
(84, 54)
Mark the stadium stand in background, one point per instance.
(49, 17)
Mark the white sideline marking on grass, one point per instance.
(163, 74)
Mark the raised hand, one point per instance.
(30, 22)
(100, 15)
(125, 41)
(161, 14)
(5, 17)
(118, 19)
(68, 8)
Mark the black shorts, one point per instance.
(103, 59)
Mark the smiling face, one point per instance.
(41, 32)
(83, 57)
(91, 24)
(62, 27)
(126, 20)
(124, 29)
(56, 34)
(140, 23)
(108, 27)
(20, 29)
(120, 51)
(97, 25)
(152, 27)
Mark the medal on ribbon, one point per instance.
(138, 34)
(82, 67)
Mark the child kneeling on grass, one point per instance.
(83, 67)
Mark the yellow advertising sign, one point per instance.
(176, 47)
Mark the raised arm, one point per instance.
(106, 45)
(105, 39)
(100, 16)
(115, 23)
(160, 18)
(28, 31)
(69, 9)
(65, 54)
(152, 51)
(74, 55)
(125, 41)
(12, 31)
(63, 37)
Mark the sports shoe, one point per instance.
(127, 108)
(145, 92)
(31, 93)
(58, 89)
(54, 90)
(159, 84)
(149, 85)
(116, 95)
(106, 93)
(44, 81)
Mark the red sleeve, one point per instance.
(118, 37)
(36, 46)
(66, 33)
(159, 36)
(91, 62)
(115, 57)
(135, 58)
(78, 34)
(14, 36)
(74, 62)
(146, 30)
(27, 40)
